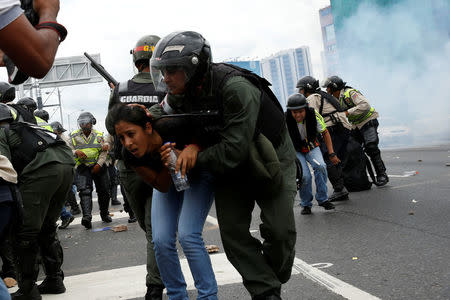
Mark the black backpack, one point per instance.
(356, 168)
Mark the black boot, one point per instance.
(132, 217)
(52, 260)
(86, 207)
(154, 292)
(380, 169)
(103, 203)
(113, 195)
(27, 270)
(339, 195)
(72, 200)
(336, 177)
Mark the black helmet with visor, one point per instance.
(186, 50)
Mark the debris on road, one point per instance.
(212, 248)
(101, 229)
(9, 282)
(354, 258)
(419, 160)
(448, 164)
(119, 228)
(414, 201)
(411, 213)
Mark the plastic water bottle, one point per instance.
(181, 184)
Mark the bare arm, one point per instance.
(160, 181)
(33, 51)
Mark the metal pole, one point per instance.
(68, 121)
(60, 107)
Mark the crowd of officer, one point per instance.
(341, 112)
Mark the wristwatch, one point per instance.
(332, 154)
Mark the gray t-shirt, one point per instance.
(9, 11)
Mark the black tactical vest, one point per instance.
(34, 139)
(270, 120)
(132, 92)
(23, 114)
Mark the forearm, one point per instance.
(31, 50)
(327, 138)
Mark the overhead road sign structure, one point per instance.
(72, 70)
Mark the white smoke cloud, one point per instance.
(399, 58)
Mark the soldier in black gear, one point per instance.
(338, 126)
(44, 165)
(250, 120)
(364, 119)
(7, 92)
(136, 192)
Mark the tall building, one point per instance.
(284, 69)
(251, 65)
(330, 55)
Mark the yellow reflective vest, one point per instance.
(91, 147)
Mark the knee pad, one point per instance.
(372, 149)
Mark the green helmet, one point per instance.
(144, 48)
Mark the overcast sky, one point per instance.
(254, 29)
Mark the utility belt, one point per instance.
(308, 146)
(336, 128)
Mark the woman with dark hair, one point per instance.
(173, 212)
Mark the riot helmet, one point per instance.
(57, 127)
(308, 83)
(43, 114)
(143, 50)
(296, 101)
(186, 50)
(5, 113)
(7, 92)
(86, 118)
(29, 103)
(335, 83)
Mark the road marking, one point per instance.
(335, 285)
(129, 282)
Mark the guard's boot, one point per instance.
(72, 200)
(103, 203)
(154, 292)
(52, 260)
(27, 270)
(335, 175)
(86, 207)
(380, 169)
(132, 217)
(339, 195)
(113, 194)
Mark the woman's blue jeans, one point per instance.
(184, 212)
(315, 159)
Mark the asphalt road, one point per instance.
(385, 243)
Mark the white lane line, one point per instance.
(120, 215)
(335, 285)
(126, 283)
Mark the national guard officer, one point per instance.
(140, 90)
(250, 154)
(44, 165)
(363, 117)
(88, 148)
(338, 127)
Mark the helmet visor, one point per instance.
(84, 121)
